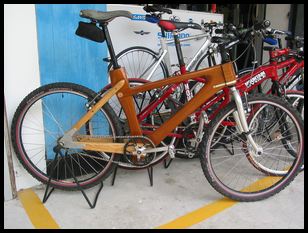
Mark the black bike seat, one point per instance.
(104, 16)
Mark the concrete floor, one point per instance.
(182, 188)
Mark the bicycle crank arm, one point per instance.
(157, 149)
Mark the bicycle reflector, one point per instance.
(151, 19)
(270, 41)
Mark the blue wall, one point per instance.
(63, 56)
(66, 57)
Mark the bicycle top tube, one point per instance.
(193, 37)
(251, 80)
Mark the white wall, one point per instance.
(278, 14)
(21, 68)
(123, 30)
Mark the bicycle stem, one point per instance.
(240, 118)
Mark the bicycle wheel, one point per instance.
(296, 99)
(243, 175)
(139, 62)
(43, 117)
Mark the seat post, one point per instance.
(110, 46)
(178, 49)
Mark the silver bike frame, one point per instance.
(164, 42)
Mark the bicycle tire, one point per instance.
(141, 54)
(239, 191)
(35, 100)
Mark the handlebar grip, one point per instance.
(288, 33)
(262, 25)
(219, 31)
(289, 38)
(270, 41)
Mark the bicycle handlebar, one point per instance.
(261, 25)
(235, 35)
(272, 31)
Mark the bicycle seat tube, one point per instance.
(116, 75)
(114, 60)
(165, 50)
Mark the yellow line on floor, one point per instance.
(36, 211)
(213, 208)
(199, 215)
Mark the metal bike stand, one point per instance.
(114, 175)
(231, 152)
(166, 165)
(150, 173)
(47, 194)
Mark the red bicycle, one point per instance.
(155, 105)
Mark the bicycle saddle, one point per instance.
(104, 16)
(156, 8)
(170, 25)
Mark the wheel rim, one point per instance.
(234, 185)
(38, 158)
(139, 64)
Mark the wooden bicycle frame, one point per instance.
(216, 78)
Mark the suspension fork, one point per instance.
(240, 119)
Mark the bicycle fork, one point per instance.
(241, 122)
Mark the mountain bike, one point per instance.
(71, 124)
